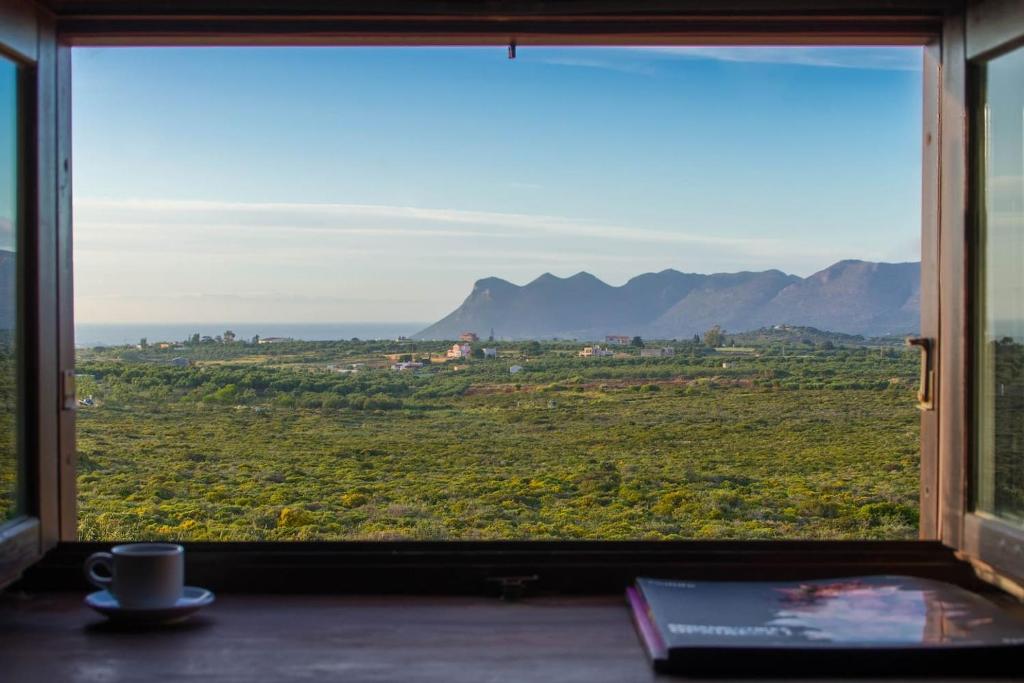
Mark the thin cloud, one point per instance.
(165, 214)
(290, 227)
(871, 58)
(271, 230)
(632, 67)
(256, 297)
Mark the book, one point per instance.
(853, 625)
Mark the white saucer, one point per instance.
(192, 600)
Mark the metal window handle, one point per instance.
(926, 384)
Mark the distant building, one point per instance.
(617, 340)
(459, 351)
(352, 367)
(595, 352)
(163, 345)
(274, 340)
(490, 353)
(663, 352)
(181, 362)
(407, 365)
(515, 369)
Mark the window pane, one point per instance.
(434, 293)
(10, 213)
(999, 488)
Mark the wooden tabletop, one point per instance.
(53, 637)
(247, 638)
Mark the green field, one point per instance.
(794, 437)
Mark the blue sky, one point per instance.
(369, 184)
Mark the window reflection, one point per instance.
(1000, 470)
(10, 210)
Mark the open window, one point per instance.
(969, 297)
(33, 183)
(639, 313)
(985, 511)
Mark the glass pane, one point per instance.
(999, 486)
(10, 212)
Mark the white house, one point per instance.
(617, 340)
(490, 353)
(459, 351)
(407, 365)
(515, 369)
(595, 352)
(274, 340)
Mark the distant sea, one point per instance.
(113, 334)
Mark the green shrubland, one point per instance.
(781, 439)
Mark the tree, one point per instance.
(696, 339)
(195, 339)
(229, 336)
(255, 339)
(714, 337)
(637, 341)
(144, 343)
(478, 352)
(532, 347)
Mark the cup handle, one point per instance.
(102, 560)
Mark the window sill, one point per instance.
(592, 567)
(256, 638)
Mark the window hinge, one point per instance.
(69, 399)
(512, 587)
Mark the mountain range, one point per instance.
(853, 297)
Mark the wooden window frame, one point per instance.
(937, 25)
(996, 548)
(28, 35)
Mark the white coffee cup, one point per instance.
(141, 575)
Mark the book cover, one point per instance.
(905, 623)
